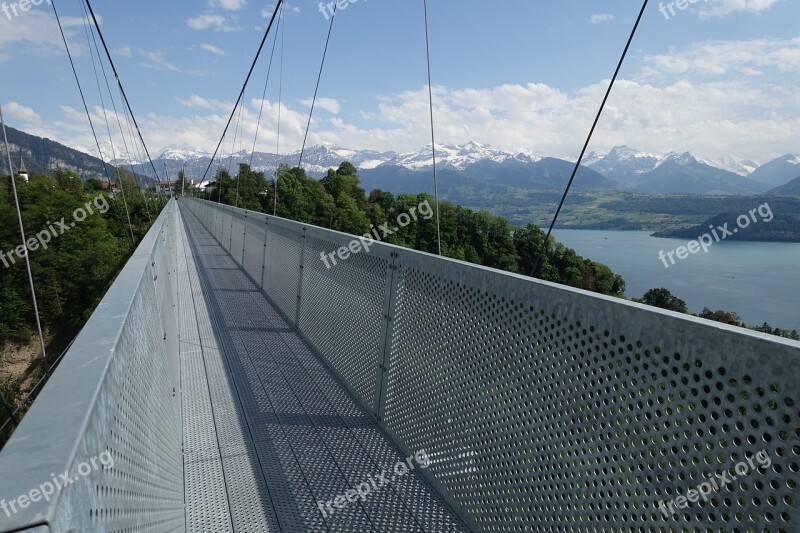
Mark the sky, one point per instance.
(717, 78)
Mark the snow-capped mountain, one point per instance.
(683, 173)
(743, 167)
(623, 164)
(176, 154)
(778, 171)
(458, 157)
(318, 159)
(638, 170)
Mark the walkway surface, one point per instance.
(269, 433)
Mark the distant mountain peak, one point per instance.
(779, 171)
(623, 152)
(683, 159)
(180, 154)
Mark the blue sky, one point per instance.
(718, 78)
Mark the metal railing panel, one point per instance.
(282, 268)
(342, 310)
(225, 220)
(108, 418)
(254, 243)
(547, 408)
(238, 226)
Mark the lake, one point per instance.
(759, 281)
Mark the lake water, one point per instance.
(759, 281)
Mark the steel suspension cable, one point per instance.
(24, 245)
(433, 131)
(114, 107)
(108, 128)
(244, 86)
(80, 90)
(264, 94)
(280, 104)
(138, 154)
(316, 90)
(589, 139)
(241, 138)
(119, 82)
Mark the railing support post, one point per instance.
(382, 372)
(300, 282)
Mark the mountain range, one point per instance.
(620, 168)
(473, 165)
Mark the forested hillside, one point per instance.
(72, 267)
(338, 202)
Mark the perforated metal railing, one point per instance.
(544, 408)
(100, 449)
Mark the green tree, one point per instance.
(664, 299)
(724, 317)
(182, 185)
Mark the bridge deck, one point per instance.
(268, 431)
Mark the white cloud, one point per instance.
(721, 8)
(23, 114)
(210, 48)
(230, 5)
(738, 117)
(212, 21)
(124, 51)
(158, 61)
(600, 18)
(37, 33)
(710, 98)
(328, 104)
(270, 9)
(198, 101)
(721, 57)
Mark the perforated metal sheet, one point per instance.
(254, 248)
(548, 409)
(343, 312)
(551, 409)
(313, 440)
(282, 268)
(225, 488)
(238, 223)
(115, 393)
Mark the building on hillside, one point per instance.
(165, 188)
(201, 186)
(23, 172)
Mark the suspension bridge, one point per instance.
(228, 381)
